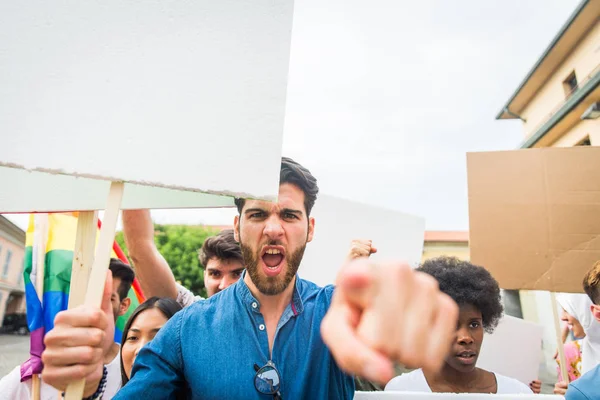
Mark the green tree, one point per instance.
(179, 245)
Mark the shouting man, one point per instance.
(273, 333)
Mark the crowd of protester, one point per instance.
(263, 331)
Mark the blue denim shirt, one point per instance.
(585, 388)
(209, 350)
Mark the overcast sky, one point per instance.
(385, 97)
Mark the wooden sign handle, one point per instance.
(93, 294)
(561, 349)
(83, 256)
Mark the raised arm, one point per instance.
(361, 248)
(151, 268)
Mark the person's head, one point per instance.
(477, 294)
(141, 327)
(273, 236)
(573, 324)
(222, 259)
(576, 312)
(591, 285)
(122, 278)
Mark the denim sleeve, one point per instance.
(329, 290)
(573, 393)
(158, 368)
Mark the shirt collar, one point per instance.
(253, 304)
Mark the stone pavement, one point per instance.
(14, 350)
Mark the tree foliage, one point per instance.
(179, 245)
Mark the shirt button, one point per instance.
(261, 327)
(254, 305)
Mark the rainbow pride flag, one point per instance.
(62, 228)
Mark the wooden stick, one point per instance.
(35, 387)
(40, 241)
(561, 349)
(94, 291)
(83, 257)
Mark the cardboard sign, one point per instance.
(186, 95)
(513, 350)
(396, 235)
(535, 216)
(450, 396)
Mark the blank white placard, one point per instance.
(513, 350)
(186, 94)
(27, 191)
(396, 235)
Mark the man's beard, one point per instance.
(267, 285)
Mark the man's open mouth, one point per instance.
(272, 258)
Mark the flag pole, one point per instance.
(40, 241)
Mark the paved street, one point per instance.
(14, 349)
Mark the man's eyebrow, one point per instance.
(291, 211)
(251, 210)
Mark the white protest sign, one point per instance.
(450, 396)
(43, 192)
(396, 235)
(513, 350)
(186, 95)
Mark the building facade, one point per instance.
(12, 252)
(558, 102)
(446, 243)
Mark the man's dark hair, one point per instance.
(296, 174)
(222, 247)
(124, 272)
(591, 283)
(468, 284)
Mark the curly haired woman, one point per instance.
(478, 295)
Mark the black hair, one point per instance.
(294, 173)
(168, 307)
(468, 284)
(124, 272)
(222, 246)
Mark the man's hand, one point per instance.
(561, 388)
(381, 313)
(361, 248)
(75, 348)
(536, 386)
